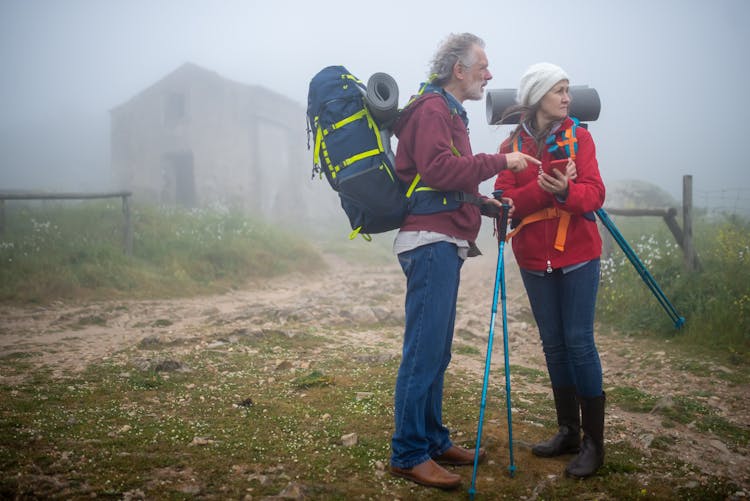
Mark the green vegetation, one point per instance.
(715, 300)
(74, 250)
(252, 418)
(303, 407)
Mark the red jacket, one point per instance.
(533, 245)
(425, 133)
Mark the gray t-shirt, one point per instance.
(408, 240)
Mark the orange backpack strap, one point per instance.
(568, 144)
(544, 214)
(564, 143)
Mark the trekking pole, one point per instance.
(641, 269)
(499, 280)
(506, 353)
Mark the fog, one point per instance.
(671, 74)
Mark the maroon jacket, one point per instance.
(533, 245)
(425, 132)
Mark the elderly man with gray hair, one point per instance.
(434, 158)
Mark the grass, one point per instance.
(714, 300)
(73, 251)
(266, 413)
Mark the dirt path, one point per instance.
(68, 337)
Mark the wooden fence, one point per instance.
(683, 236)
(127, 227)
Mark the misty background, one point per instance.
(671, 74)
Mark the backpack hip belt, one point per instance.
(542, 215)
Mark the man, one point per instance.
(434, 158)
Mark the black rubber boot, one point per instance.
(591, 457)
(568, 438)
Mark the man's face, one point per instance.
(476, 76)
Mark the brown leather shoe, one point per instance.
(458, 456)
(430, 474)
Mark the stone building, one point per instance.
(195, 139)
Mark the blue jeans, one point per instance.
(432, 277)
(563, 305)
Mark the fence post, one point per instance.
(127, 230)
(2, 217)
(687, 222)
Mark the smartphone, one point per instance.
(559, 164)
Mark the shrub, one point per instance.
(714, 300)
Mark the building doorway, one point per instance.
(178, 180)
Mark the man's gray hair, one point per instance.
(455, 48)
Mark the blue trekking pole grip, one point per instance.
(502, 222)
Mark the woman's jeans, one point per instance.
(563, 305)
(432, 276)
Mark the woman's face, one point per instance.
(555, 103)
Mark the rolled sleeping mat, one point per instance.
(584, 104)
(381, 98)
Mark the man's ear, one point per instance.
(459, 71)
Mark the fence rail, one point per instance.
(683, 236)
(127, 228)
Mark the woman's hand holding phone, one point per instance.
(561, 172)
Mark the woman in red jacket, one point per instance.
(557, 246)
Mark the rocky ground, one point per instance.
(68, 337)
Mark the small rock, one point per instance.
(134, 494)
(349, 440)
(284, 366)
(362, 395)
(149, 341)
(202, 441)
(719, 446)
(168, 366)
(647, 439)
(191, 489)
(258, 477)
(293, 491)
(663, 403)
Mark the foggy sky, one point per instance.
(671, 74)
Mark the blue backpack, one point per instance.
(354, 153)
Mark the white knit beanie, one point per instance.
(538, 79)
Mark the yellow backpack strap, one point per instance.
(320, 147)
(357, 231)
(413, 186)
(318, 141)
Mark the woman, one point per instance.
(557, 246)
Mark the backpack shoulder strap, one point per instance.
(564, 142)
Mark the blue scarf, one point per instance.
(453, 104)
